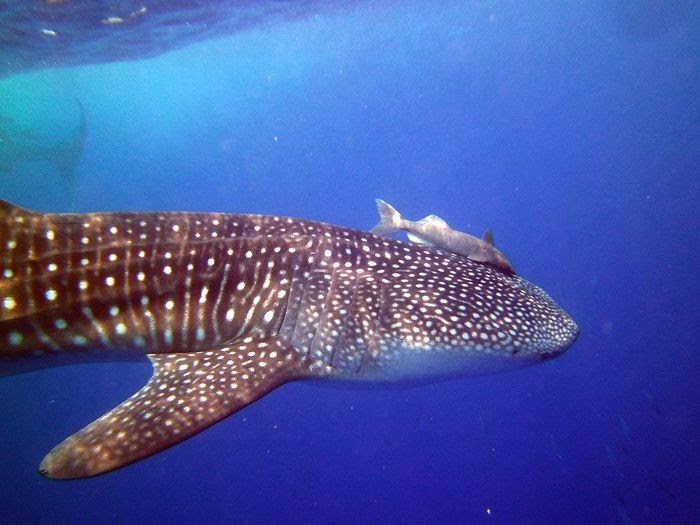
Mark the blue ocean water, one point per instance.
(572, 131)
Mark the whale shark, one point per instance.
(227, 307)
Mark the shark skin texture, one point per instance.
(228, 307)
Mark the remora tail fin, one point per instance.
(389, 219)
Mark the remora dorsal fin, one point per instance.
(187, 393)
(434, 219)
(488, 237)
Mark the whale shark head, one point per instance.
(443, 314)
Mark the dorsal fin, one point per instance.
(488, 237)
(7, 209)
(434, 219)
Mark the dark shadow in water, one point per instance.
(19, 145)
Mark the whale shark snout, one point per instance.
(556, 330)
(562, 333)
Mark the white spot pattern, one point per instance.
(335, 301)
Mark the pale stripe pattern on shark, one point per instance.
(228, 307)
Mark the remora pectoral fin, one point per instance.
(418, 240)
(187, 393)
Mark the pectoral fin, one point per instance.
(418, 240)
(187, 393)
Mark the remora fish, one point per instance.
(229, 307)
(436, 232)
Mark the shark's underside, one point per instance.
(228, 307)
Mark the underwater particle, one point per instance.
(112, 20)
(139, 12)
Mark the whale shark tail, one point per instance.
(67, 153)
(390, 220)
(19, 145)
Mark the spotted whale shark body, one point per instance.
(228, 307)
